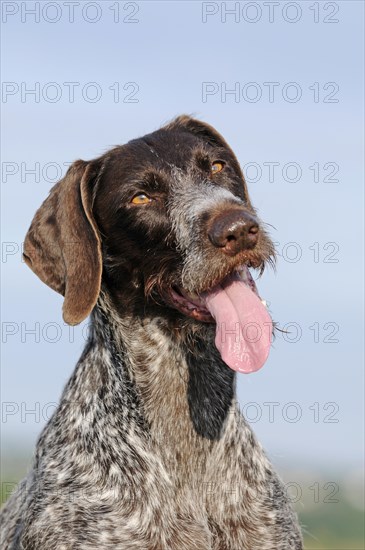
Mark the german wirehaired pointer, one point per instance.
(148, 449)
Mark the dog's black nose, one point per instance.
(234, 231)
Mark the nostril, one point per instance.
(241, 232)
(253, 230)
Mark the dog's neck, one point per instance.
(181, 382)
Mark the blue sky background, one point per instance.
(169, 53)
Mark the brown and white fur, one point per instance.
(148, 449)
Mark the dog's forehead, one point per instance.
(159, 158)
(170, 148)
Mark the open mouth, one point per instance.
(194, 305)
(243, 324)
(191, 305)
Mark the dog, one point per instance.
(148, 449)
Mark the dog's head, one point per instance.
(164, 220)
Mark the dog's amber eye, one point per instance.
(141, 198)
(217, 166)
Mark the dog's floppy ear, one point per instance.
(63, 245)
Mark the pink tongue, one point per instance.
(244, 326)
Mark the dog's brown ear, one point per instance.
(63, 245)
